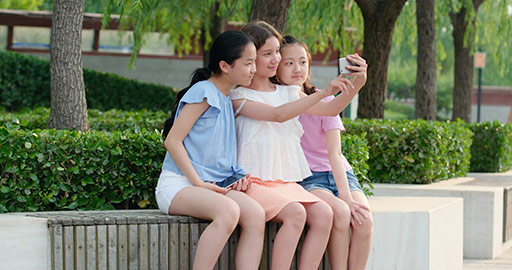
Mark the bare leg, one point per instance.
(252, 221)
(205, 204)
(338, 247)
(293, 218)
(319, 220)
(361, 239)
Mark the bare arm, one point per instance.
(174, 143)
(285, 112)
(335, 106)
(357, 210)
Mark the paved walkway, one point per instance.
(502, 262)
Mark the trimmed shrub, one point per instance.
(492, 150)
(417, 151)
(355, 149)
(112, 120)
(25, 83)
(47, 170)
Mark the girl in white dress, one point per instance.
(268, 144)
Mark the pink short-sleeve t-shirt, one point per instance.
(314, 143)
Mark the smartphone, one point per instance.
(343, 63)
(228, 182)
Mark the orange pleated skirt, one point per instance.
(275, 195)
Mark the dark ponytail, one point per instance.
(227, 47)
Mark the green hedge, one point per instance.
(492, 150)
(417, 151)
(46, 170)
(355, 149)
(25, 83)
(112, 120)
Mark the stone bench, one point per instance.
(425, 233)
(420, 233)
(483, 210)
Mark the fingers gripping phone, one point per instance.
(343, 63)
(228, 182)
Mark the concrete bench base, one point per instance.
(409, 233)
(417, 233)
(483, 211)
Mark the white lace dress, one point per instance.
(271, 152)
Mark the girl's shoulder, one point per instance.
(203, 90)
(245, 93)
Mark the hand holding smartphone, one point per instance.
(343, 62)
(228, 182)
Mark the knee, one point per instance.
(366, 229)
(253, 221)
(321, 216)
(341, 213)
(295, 215)
(228, 217)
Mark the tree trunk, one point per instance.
(217, 26)
(463, 69)
(273, 12)
(379, 22)
(426, 89)
(68, 104)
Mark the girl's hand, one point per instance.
(358, 212)
(338, 84)
(360, 68)
(214, 188)
(242, 185)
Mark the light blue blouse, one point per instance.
(211, 143)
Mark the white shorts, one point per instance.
(169, 184)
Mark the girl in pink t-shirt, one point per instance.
(333, 179)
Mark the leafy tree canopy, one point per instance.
(493, 30)
(21, 4)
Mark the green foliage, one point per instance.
(418, 151)
(324, 23)
(20, 4)
(112, 120)
(25, 83)
(45, 170)
(395, 110)
(492, 150)
(186, 22)
(355, 149)
(492, 31)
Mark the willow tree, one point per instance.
(379, 22)
(489, 26)
(189, 25)
(426, 89)
(68, 107)
(274, 12)
(464, 22)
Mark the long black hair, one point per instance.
(227, 47)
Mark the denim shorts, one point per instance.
(325, 180)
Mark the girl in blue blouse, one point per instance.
(201, 157)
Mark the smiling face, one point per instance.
(268, 57)
(243, 69)
(294, 67)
